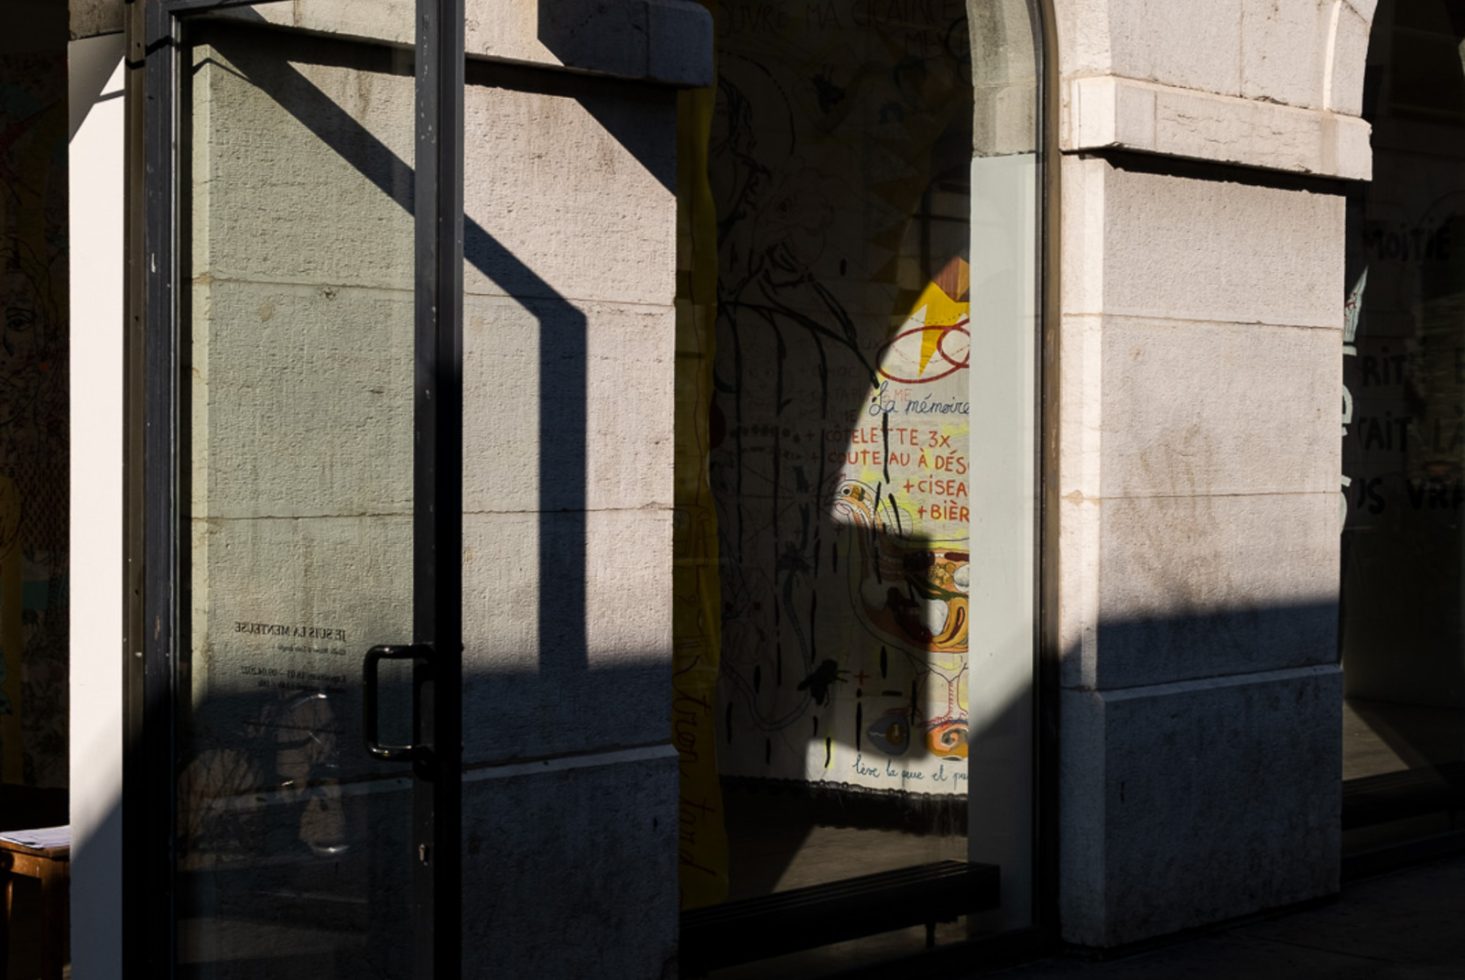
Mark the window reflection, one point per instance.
(1404, 437)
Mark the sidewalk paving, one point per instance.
(1405, 925)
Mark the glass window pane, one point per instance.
(293, 854)
(871, 197)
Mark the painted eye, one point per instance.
(891, 732)
(948, 740)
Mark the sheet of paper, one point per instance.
(41, 838)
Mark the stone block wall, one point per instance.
(1198, 401)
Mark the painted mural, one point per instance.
(33, 419)
(840, 155)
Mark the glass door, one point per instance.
(299, 656)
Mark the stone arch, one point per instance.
(1351, 24)
(1302, 54)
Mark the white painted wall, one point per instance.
(97, 319)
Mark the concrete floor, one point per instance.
(1407, 925)
(1380, 737)
(774, 855)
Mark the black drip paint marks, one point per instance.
(813, 624)
(884, 663)
(885, 436)
(815, 719)
(828, 751)
(859, 723)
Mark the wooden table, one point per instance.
(52, 867)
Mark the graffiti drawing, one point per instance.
(840, 152)
(33, 419)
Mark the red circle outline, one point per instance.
(940, 349)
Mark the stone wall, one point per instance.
(1200, 337)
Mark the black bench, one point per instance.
(804, 918)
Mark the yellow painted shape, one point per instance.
(933, 308)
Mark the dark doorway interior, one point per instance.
(1402, 636)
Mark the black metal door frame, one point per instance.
(154, 454)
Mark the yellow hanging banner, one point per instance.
(697, 613)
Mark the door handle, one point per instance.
(370, 700)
